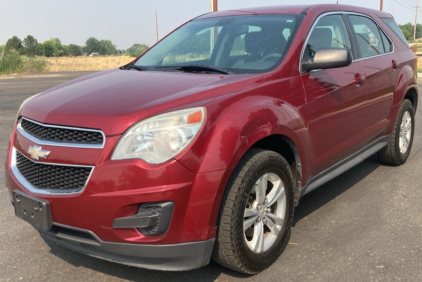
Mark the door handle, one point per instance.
(359, 79)
(394, 64)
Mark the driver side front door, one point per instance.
(336, 99)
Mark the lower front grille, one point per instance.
(60, 179)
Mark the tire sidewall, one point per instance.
(264, 259)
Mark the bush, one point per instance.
(34, 65)
(12, 62)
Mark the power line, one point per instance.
(403, 5)
(409, 3)
(407, 7)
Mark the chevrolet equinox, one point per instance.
(203, 146)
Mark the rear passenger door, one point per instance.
(381, 65)
(335, 97)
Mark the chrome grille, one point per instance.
(61, 134)
(50, 178)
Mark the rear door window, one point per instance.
(388, 46)
(368, 36)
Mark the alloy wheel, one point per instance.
(264, 214)
(405, 132)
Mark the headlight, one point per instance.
(23, 104)
(158, 139)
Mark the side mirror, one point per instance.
(328, 58)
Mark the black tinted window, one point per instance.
(368, 36)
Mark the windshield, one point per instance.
(238, 44)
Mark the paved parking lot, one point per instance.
(365, 225)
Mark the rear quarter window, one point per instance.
(395, 28)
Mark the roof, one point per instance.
(296, 9)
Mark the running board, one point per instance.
(345, 165)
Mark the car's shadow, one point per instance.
(211, 272)
(329, 191)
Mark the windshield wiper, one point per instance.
(199, 68)
(131, 65)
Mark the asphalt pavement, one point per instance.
(365, 225)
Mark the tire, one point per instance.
(234, 247)
(394, 153)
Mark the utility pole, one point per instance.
(213, 5)
(416, 18)
(156, 23)
(381, 4)
(214, 31)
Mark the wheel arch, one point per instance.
(282, 144)
(236, 125)
(412, 96)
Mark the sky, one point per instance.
(133, 21)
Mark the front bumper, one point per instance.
(117, 189)
(172, 257)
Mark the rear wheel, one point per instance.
(256, 214)
(398, 150)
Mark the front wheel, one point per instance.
(398, 150)
(256, 214)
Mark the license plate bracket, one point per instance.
(33, 210)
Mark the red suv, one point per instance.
(202, 147)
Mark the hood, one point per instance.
(116, 99)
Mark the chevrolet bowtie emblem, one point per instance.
(36, 152)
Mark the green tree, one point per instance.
(136, 50)
(40, 50)
(418, 31)
(14, 43)
(92, 45)
(65, 50)
(58, 47)
(407, 34)
(74, 50)
(107, 48)
(30, 45)
(1, 48)
(53, 48)
(47, 49)
(408, 30)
